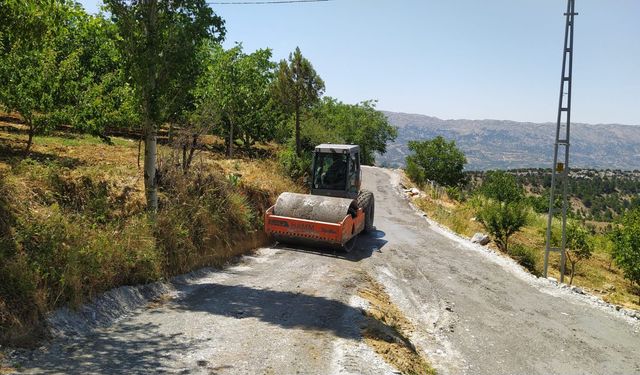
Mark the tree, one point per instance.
(360, 124)
(578, 246)
(297, 87)
(436, 160)
(40, 62)
(159, 40)
(502, 220)
(501, 186)
(237, 86)
(105, 98)
(504, 212)
(626, 246)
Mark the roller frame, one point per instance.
(312, 231)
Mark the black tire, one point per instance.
(366, 201)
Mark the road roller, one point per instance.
(335, 212)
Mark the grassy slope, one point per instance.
(73, 224)
(595, 274)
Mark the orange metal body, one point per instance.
(320, 231)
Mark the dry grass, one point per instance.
(386, 331)
(73, 223)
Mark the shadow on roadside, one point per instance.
(130, 348)
(289, 310)
(366, 244)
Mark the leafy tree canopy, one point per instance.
(234, 95)
(501, 186)
(436, 160)
(296, 88)
(360, 124)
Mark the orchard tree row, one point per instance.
(145, 64)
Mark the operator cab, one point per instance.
(336, 171)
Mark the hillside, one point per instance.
(73, 222)
(595, 195)
(498, 144)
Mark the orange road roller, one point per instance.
(335, 212)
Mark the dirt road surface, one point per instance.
(296, 311)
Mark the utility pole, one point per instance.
(560, 169)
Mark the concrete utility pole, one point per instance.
(560, 170)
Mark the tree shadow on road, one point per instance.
(290, 310)
(127, 349)
(366, 244)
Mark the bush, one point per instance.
(626, 246)
(525, 257)
(455, 193)
(502, 220)
(297, 167)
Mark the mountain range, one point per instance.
(501, 144)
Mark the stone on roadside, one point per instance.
(480, 238)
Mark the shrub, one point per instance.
(525, 257)
(298, 167)
(626, 246)
(502, 220)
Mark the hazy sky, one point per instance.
(496, 59)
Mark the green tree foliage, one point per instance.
(297, 87)
(39, 64)
(626, 246)
(233, 95)
(436, 160)
(160, 40)
(360, 124)
(501, 186)
(504, 212)
(502, 220)
(106, 99)
(579, 246)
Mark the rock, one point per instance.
(480, 238)
(577, 290)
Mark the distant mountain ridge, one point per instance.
(502, 144)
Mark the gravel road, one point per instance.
(290, 311)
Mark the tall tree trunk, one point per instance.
(298, 146)
(150, 110)
(150, 182)
(192, 150)
(32, 131)
(230, 143)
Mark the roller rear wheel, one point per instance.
(366, 201)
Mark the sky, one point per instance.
(471, 59)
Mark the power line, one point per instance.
(265, 2)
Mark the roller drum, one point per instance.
(314, 207)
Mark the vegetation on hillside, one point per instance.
(436, 160)
(511, 206)
(599, 196)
